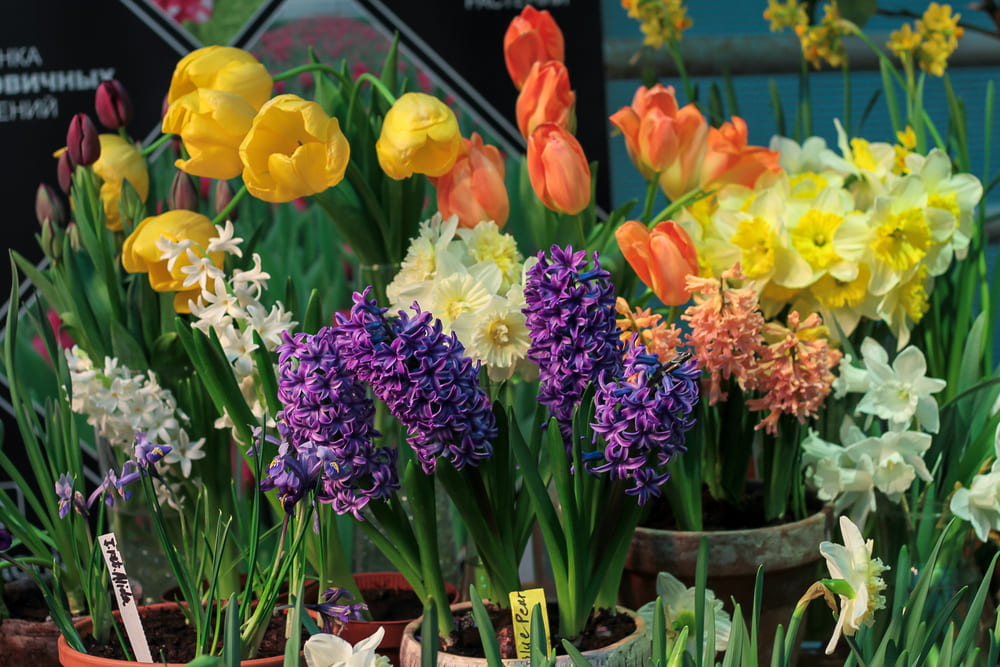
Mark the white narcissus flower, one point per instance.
(325, 650)
(679, 610)
(900, 392)
(897, 458)
(980, 503)
(852, 562)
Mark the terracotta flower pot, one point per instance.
(355, 631)
(789, 554)
(70, 657)
(632, 651)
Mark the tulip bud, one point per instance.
(74, 236)
(662, 258)
(558, 169)
(51, 240)
(183, 194)
(49, 206)
(114, 108)
(546, 98)
(223, 195)
(474, 188)
(82, 143)
(531, 37)
(64, 170)
(132, 206)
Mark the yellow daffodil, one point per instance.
(293, 149)
(120, 160)
(222, 68)
(785, 14)
(419, 135)
(187, 234)
(211, 123)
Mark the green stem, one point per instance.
(651, 188)
(688, 198)
(150, 149)
(224, 213)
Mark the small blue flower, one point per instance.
(68, 497)
(147, 454)
(6, 540)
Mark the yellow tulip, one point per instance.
(223, 68)
(140, 254)
(419, 135)
(293, 149)
(119, 160)
(212, 124)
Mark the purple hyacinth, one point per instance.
(570, 312)
(328, 429)
(643, 416)
(424, 379)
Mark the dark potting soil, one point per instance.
(392, 604)
(603, 628)
(719, 516)
(171, 639)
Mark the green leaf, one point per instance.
(126, 348)
(972, 355)
(263, 362)
(428, 635)
(486, 634)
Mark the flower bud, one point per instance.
(419, 135)
(474, 189)
(51, 240)
(662, 258)
(531, 37)
(49, 206)
(113, 106)
(558, 169)
(64, 170)
(74, 236)
(82, 143)
(223, 195)
(183, 194)
(546, 98)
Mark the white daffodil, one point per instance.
(486, 243)
(497, 335)
(870, 163)
(852, 562)
(900, 392)
(679, 610)
(840, 474)
(957, 193)
(421, 261)
(980, 503)
(897, 459)
(325, 650)
(796, 159)
(852, 379)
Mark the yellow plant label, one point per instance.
(522, 605)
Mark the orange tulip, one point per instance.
(558, 169)
(545, 98)
(662, 258)
(730, 160)
(474, 188)
(531, 37)
(663, 139)
(643, 126)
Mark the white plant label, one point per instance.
(126, 600)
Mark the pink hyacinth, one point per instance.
(726, 325)
(794, 375)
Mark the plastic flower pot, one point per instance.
(355, 631)
(635, 649)
(70, 657)
(788, 552)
